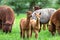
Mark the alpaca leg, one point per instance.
(0, 24)
(20, 31)
(47, 24)
(40, 27)
(44, 27)
(52, 29)
(20, 34)
(6, 31)
(53, 33)
(30, 30)
(9, 31)
(23, 33)
(29, 34)
(36, 34)
(58, 30)
(3, 30)
(10, 28)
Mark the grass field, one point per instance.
(15, 34)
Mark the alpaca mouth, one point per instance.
(30, 15)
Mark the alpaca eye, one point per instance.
(35, 13)
(39, 13)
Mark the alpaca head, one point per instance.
(29, 14)
(38, 15)
(7, 24)
(37, 7)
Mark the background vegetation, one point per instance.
(24, 5)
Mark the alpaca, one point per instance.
(35, 24)
(55, 23)
(6, 18)
(45, 15)
(25, 25)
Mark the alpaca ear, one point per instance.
(39, 13)
(26, 12)
(35, 13)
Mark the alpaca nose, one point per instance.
(38, 18)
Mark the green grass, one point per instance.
(15, 34)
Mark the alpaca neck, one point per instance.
(38, 23)
(27, 22)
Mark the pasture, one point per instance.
(15, 34)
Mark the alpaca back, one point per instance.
(45, 14)
(23, 23)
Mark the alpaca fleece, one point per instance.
(55, 22)
(45, 14)
(6, 18)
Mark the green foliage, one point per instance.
(58, 1)
(44, 3)
(24, 5)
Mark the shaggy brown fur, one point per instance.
(25, 25)
(55, 22)
(6, 18)
(36, 24)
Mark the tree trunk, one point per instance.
(32, 4)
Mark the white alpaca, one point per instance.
(45, 14)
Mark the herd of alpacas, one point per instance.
(33, 21)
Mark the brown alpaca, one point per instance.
(6, 18)
(36, 24)
(55, 22)
(25, 25)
